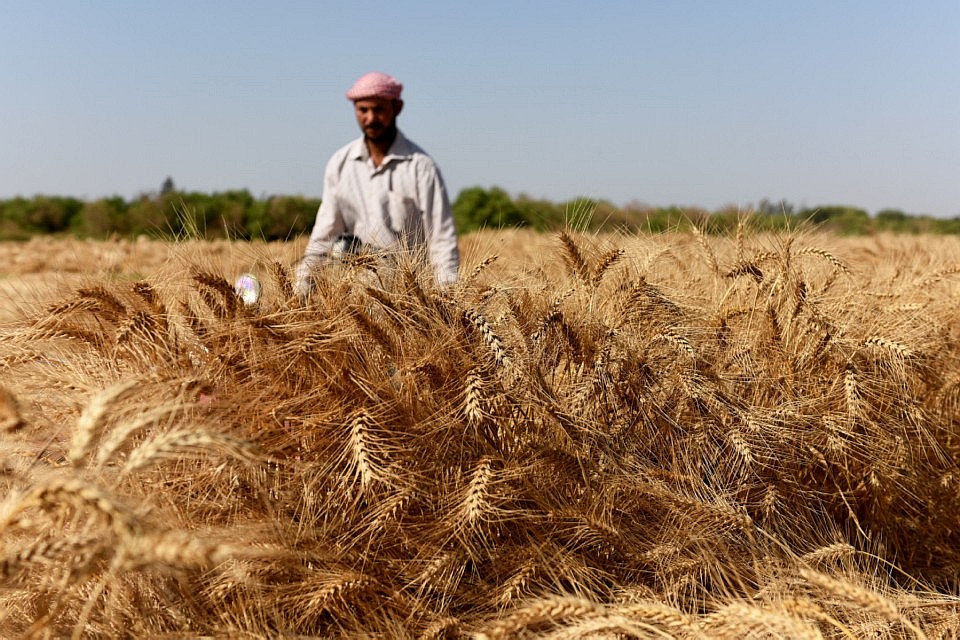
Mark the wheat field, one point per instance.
(589, 436)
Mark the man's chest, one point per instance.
(362, 179)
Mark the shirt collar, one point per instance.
(401, 149)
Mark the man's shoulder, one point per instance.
(411, 150)
(352, 149)
(339, 158)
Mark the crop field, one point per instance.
(588, 436)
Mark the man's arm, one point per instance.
(328, 225)
(439, 229)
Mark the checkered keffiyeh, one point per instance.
(375, 85)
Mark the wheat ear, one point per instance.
(606, 261)
(474, 398)
(555, 609)
(483, 264)
(10, 417)
(492, 340)
(476, 506)
(219, 285)
(43, 550)
(281, 275)
(93, 417)
(574, 258)
(894, 348)
(81, 495)
(707, 249)
(743, 620)
(367, 453)
(184, 443)
(870, 600)
(829, 553)
(112, 441)
(838, 264)
(176, 549)
(106, 302)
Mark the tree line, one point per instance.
(170, 213)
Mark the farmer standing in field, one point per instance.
(381, 191)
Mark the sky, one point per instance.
(707, 104)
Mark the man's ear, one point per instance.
(397, 107)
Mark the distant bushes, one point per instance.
(492, 208)
(238, 214)
(235, 214)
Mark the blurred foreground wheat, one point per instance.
(589, 436)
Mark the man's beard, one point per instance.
(381, 136)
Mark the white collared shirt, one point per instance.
(402, 204)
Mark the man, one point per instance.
(382, 191)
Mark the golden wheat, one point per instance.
(651, 436)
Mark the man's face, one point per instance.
(376, 116)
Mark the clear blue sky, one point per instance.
(694, 103)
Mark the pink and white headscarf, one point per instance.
(375, 85)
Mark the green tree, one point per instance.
(478, 208)
(101, 218)
(281, 217)
(842, 219)
(45, 214)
